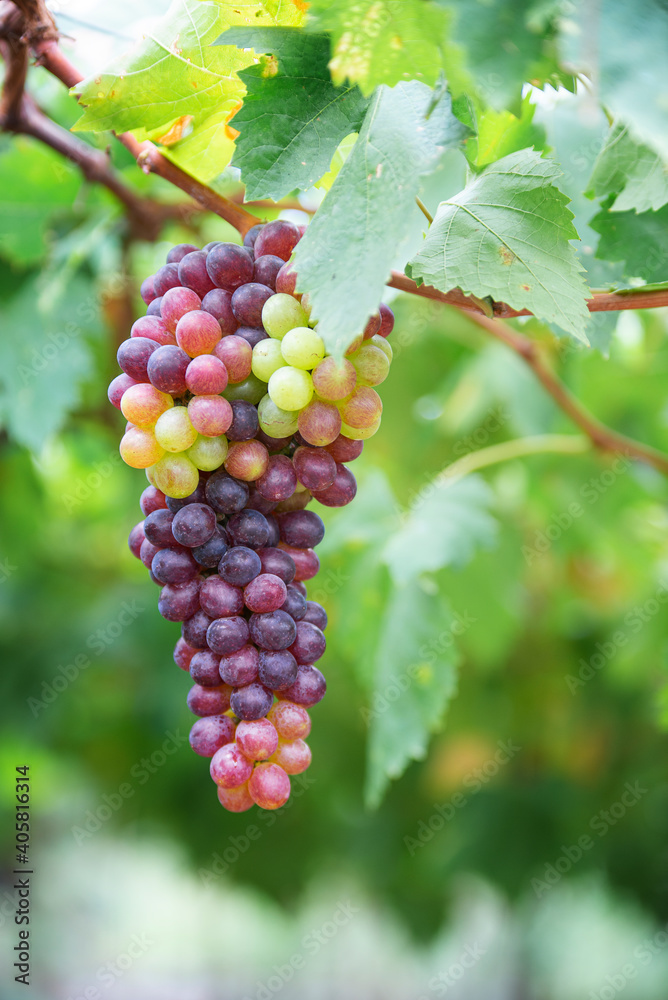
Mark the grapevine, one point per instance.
(240, 419)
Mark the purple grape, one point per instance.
(135, 539)
(226, 635)
(252, 234)
(245, 424)
(251, 702)
(179, 602)
(251, 335)
(154, 307)
(316, 615)
(174, 566)
(218, 303)
(302, 529)
(294, 604)
(248, 528)
(210, 734)
(147, 291)
(194, 525)
(275, 630)
(240, 668)
(274, 444)
(308, 689)
(309, 644)
(210, 554)
(277, 670)
(315, 468)
(133, 356)
(152, 499)
(265, 593)
(257, 502)
(167, 277)
(208, 701)
(248, 301)
(279, 563)
(301, 587)
(193, 273)
(198, 495)
(158, 528)
(229, 266)
(266, 270)
(146, 552)
(239, 565)
(167, 369)
(279, 481)
(225, 494)
(342, 491)
(178, 252)
(204, 668)
(274, 531)
(220, 599)
(210, 246)
(183, 654)
(278, 238)
(194, 629)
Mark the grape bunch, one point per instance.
(240, 418)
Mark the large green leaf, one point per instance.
(445, 526)
(624, 49)
(176, 87)
(415, 679)
(45, 360)
(508, 43)
(641, 241)
(630, 170)
(35, 183)
(383, 41)
(347, 252)
(507, 235)
(293, 120)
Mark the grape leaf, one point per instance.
(292, 120)
(507, 43)
(347, 252)
(507, 235)
(641, 241)
(36, 182)
(383, 41)
(626, 62)
(177, 75)
(632, 171)
(415, 679)
(501, 132)
(41, 371)
(445, 529)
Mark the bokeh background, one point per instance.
(467, 878)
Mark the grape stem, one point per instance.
(565, 444)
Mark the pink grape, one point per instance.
(305, 560)
(229, 768)
(142, 404)
(266, 592)
(247, 460)
(117, 388)
(240, 668)
(373, 326)
(292, 722)
(148, 552)
(294, 756)
(136, 538)
(177, 302)
(183, 654)
(278, 238)
(319, 423)
(152, 499)
(286, 280)
(220, 599)
(235, 800)
(197, 333)
(206, 375)
(153, 328)
(257, 739)
(237, 356)
(219, 304)
(334, 380)
(362, 408)
(139, 448)
(386, 320)
(269, 786)
(211, 733)
(210, 415)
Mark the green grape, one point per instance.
(359, 433)
(303, 348)
(282, 313)
(371, 364)
(176, 476)
(291, 388)
(250, 391)
(208, 453)
(274, 421)
(384, 345)
(139, 448)
(173, 430)
(267, 359)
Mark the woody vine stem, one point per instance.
(27, 28)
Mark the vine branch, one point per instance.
(539, 444)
